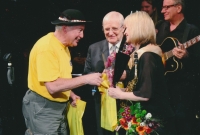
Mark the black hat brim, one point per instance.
(59, 22)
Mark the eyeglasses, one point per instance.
(113, 29)
(168, 6)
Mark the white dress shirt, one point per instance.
(117, 47)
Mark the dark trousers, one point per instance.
(100, 131)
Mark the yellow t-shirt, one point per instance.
(49, 59)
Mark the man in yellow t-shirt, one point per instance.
(49, 76)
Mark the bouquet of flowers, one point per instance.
(116, 64)
(136, 121)
(108, 104)
(109, 67)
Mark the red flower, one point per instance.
(123, 114)
(140, 130)
(128, 115)
(127, 109)
(133, 121)
(147, 130)
(123, 123)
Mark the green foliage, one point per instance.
(132, 116)
(121, 110)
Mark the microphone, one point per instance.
(99, 69)
(99, 66)
(10, 73)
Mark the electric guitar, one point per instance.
(170, 62)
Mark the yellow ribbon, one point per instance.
(108, 106)
(105, 84)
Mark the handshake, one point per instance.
(93, 79)
(96, 78)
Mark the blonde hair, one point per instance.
(140, 28)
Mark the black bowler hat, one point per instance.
(70, 17)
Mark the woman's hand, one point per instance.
(116, 93)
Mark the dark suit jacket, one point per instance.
(94, 55)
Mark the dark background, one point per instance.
(22, 22)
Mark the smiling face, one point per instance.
(170, 9)
(113, 31)
(140, 28)
(113, 27)
(127, 32)
(73, 34)
(147, 7)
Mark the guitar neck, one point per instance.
(192, 41)
(187, 44)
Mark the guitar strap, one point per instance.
(186, 32)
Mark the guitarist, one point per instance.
(183, 85)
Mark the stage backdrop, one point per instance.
(22, 22)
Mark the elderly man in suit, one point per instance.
(113, 30)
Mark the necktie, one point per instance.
(113, 48)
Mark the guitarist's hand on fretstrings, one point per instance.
(180, 51)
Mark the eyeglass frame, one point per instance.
(168, 6)
(113, 29)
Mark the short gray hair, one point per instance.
(114, 15)
(182, 3)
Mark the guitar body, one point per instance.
(168, 44)
(171, 63)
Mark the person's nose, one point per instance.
(110, 32)
(163, 10)
(82, 34)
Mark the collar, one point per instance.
(145, 44)
(118, 45)
(180, 27)
(146, 48)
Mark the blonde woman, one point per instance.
(150, 87)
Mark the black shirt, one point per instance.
(151, 85)
(183, 85)
(190, 64)
(164, 31)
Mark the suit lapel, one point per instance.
(105, 49)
